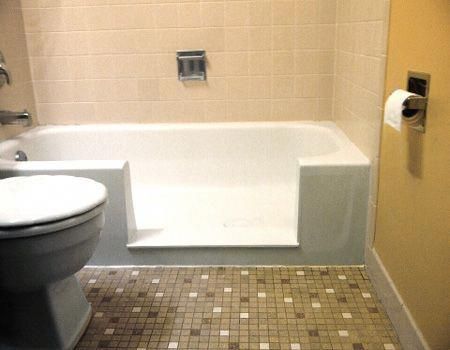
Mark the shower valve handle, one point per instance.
(4, 72)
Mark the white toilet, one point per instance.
(49, 228)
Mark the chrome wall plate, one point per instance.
(191, 65)
(415, 111)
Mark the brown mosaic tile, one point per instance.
(313, 333)
(195, 332)
(247, 308)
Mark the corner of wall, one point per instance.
(407, 330)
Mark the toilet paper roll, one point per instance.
(394, 107)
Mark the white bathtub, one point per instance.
(214, 190)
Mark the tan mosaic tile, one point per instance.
(296, 308)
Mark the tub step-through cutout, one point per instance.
(216, 237)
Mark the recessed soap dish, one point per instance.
(191, 65)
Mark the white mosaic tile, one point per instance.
(159, 295)
(228, 290)
(193, 295)
(224, 333)
(244, 273)
(119, 290)
(342, 277)
(316, 305)
(205, 277)
(300, 273)
(264, 346)
(288, 300)
(173, 345)
(134, 273)
(217, 309)
(261, 295)
(366, 295)
(343, 333)
(243, 315)
(98, 314)
(155, 280)
(109, 331)
(136, 309)
(329, 290)
(295, 346)
(347, 315)
(389, 347)
(92, 281)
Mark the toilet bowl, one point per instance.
(49, 228)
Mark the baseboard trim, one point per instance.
(409, 334)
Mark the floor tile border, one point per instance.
(409, 334)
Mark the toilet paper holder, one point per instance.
(415, 103)
(415, 107)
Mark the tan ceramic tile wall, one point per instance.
(114, 60)
(361, 41)
(19, 95)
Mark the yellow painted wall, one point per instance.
(413, 220)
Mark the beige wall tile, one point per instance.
(213, 39)
(306, 12)
(260, 87)
(148, 89)
(237, 13)
(260, 63)
(260, 38)
(360, 65)
(167, 111)
(189, 15)
(212, 14)
(238, 88)
(283, 37)
(216, 110)
(260, 12)
(259, 110)
(116, 53)
(324, 109)
(283, 12)
(283, 63)
(237, 110)
(194, 111)
(283, 86)
(293, 109)
(236, 63)
(326, 11)
(165, 15)
(236, 39)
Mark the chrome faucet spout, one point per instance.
(15, 118)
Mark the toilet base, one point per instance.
(53, 317)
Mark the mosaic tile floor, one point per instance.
(234, 308)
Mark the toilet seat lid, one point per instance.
(30, 200)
